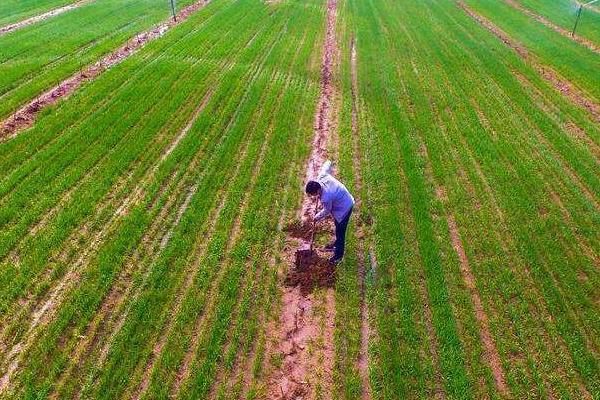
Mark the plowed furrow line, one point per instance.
(492, 356)
(563, 86)
(47, 68)
(297, 321)
(146, 61)
(365, 329)
(30, 21)
(25, 117)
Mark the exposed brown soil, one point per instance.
(562, 85)
(298, 325)
(311, 271)
(302, 229)
(26, 116)
(583, 41)
(41, 17)
(491, 352)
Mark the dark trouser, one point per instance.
(340, 234)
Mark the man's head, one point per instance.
(313, 188)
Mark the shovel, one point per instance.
(304, 256)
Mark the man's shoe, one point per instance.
(335, 260)
(329, 247)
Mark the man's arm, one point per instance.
(325, 211)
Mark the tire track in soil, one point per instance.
(560, 30)
(26, 116)
(298, 324)
(562, 85)
(49, 14)
(365, 329)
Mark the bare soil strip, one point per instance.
(562, 31)
(491, 352)
(365, 329)
(41, 17)
(26, 116)
(298, 322)
(562, 85)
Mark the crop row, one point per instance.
(455, 144)
(39, 56)
(12, 11)
(250, 113)
(564, 14)
(573, 61)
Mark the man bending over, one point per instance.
(337, 202)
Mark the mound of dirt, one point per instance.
(299, 230)
(310, 271)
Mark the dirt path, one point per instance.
(560, 30)
(41, 17)
(26, 116)
(559, 83)
(300, 325)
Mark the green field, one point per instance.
(142, 253)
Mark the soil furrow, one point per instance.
(26, 116)
(298, 323)
(41, 17)
(562, 85)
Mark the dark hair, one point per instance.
(313, 187)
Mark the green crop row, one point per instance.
(37, 57)
(252, 112)
(564, 13)
(437, 109)
(575, 62)
(12, 11)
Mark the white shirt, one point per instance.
(335, 198)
